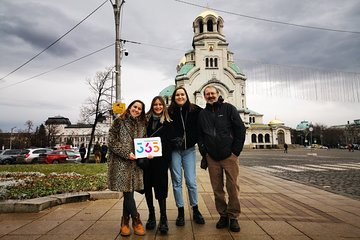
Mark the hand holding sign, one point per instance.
(145, 147)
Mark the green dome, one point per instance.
(303, 125)
(168, 91)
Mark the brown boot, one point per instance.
(125, 226)
(138, 226)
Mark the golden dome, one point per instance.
(182, 61)
(276, 122)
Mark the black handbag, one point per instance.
(142, 163)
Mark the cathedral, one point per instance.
(211, 62)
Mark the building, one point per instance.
(65, 132)
(211, 62)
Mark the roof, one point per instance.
(276, 122)
(208, 12)
(57, 121)
(185, 69)
(303, 125)
(251, 112)
(235, 67)
(168, 91)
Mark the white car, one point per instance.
(31, 155)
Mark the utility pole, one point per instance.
(12, 129)
(118, 48)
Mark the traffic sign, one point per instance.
(119, 108)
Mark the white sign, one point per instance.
(147, 146)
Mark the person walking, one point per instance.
(104, 150)
(97, 152)
(285, 148)
(156, 174)
(183, 136)
(82, 151)
(124, 174)
(221, 139)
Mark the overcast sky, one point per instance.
(164, 29)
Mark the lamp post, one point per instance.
(11, 132)
(118, 48)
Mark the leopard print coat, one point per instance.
(123, 174)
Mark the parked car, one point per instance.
(9, 156)
(31, 155)
(60, 156)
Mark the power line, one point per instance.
(52, 44)
(269, 20)
(61, 66)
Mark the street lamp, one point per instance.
(118, 48)
(11, 132)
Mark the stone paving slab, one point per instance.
(272, 208)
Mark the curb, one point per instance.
(39, 204)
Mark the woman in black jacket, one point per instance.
(183, 135)
(156, 175)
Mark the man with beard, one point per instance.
(221, 139)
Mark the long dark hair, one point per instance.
(142, 116)
(173, 104)
(164, 115)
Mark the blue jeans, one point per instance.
(184, 159)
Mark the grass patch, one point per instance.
(39, 180)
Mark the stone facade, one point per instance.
(211, 62)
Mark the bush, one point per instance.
(32, 181)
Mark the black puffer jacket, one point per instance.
(221, 131)
(190, 118)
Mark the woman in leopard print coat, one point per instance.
(123, 173)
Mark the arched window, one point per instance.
(261, 138)
(210, 26)
(211, 62)
(201, 26)
(267, 138)
(207, 62)
(215, 62)
(253, 138)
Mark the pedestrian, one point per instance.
(104, 150)
(221, 139)
(285, 148)
(97, 152)
(82, 151)
(124, 174)
(156, 175)
(183, 136)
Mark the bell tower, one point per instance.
(210, 62)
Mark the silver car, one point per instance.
(31, 155)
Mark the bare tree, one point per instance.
(98, 105)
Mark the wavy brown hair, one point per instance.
(142, 116)
(174, 104)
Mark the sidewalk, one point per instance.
(272, 208)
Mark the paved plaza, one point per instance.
(272, 208)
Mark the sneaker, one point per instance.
(234, 225)
(223, 222)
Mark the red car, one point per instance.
(60, 156)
